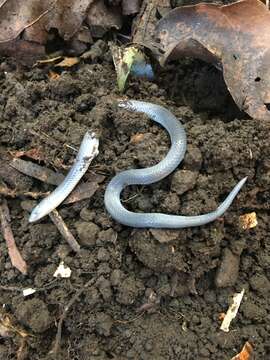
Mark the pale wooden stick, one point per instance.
(14, 254)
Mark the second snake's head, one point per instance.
(127, 104)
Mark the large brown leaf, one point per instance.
(25, 24)
(235, 37)
(38, 17)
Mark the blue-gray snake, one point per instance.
(155, 173)
(89, 148)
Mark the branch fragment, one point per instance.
(64, 231)
(14, 254)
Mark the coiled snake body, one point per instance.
(155, 173)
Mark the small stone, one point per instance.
(92, 296)
(87, 232)
(104, 324)
(34, 313)
(253, 312)
(87, 215)
(107, 236)
(260, 283)
(44, 234)
(129, 290)
(85, 102)
(227, 273)
(104, 287)
(116, 277)
(193, 158)
(171, 203)
(164, 236)
(96, 51)
(183, 180)
(103, 254)
(148, 345)
(28, 205)
(63, 251)
(238, 246)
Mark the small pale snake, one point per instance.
(88, 150)
(155, 173)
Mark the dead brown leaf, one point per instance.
(236, 37)
(245, 353)
(15, 16)
(26, 26)
(35, 154)
(144, 26)
(53, 75)
(131, 7)
(68, 62)
(66, 16)
(100, 18)
(14, 254)
(137, 138)
(38, 172)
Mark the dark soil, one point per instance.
(183, 285)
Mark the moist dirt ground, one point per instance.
(155, 294)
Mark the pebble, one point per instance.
(116, 277)
(87, 215)
(164, 236)
(28, 205)
(34, 314)
(193, 158)
(171, 203)
(104, 324)
(227, 273)
(253, 311)
(183, 180)
(87, 232)
(103, 254)
(260, 283)
(129, 290)
(109, 236)
(104, 287)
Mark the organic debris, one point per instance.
(27, 27)
(8, 328)
(28, 291)
(57, 342)
(129, 60)
(62, 271)
(130, 7)
(245, 353)
(64, 231)
(38, 172)
(248, 221)
(68, 62)
(14, 254)
(81, 192)
(100, 18)
(232, 311)
(143, 30)
(224, 36)
(35, 154)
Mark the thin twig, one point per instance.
(3, 3)
(58, 337)
(14, 254)
(63, 229)
(14, 193)
(38, 172)
(48, 286)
